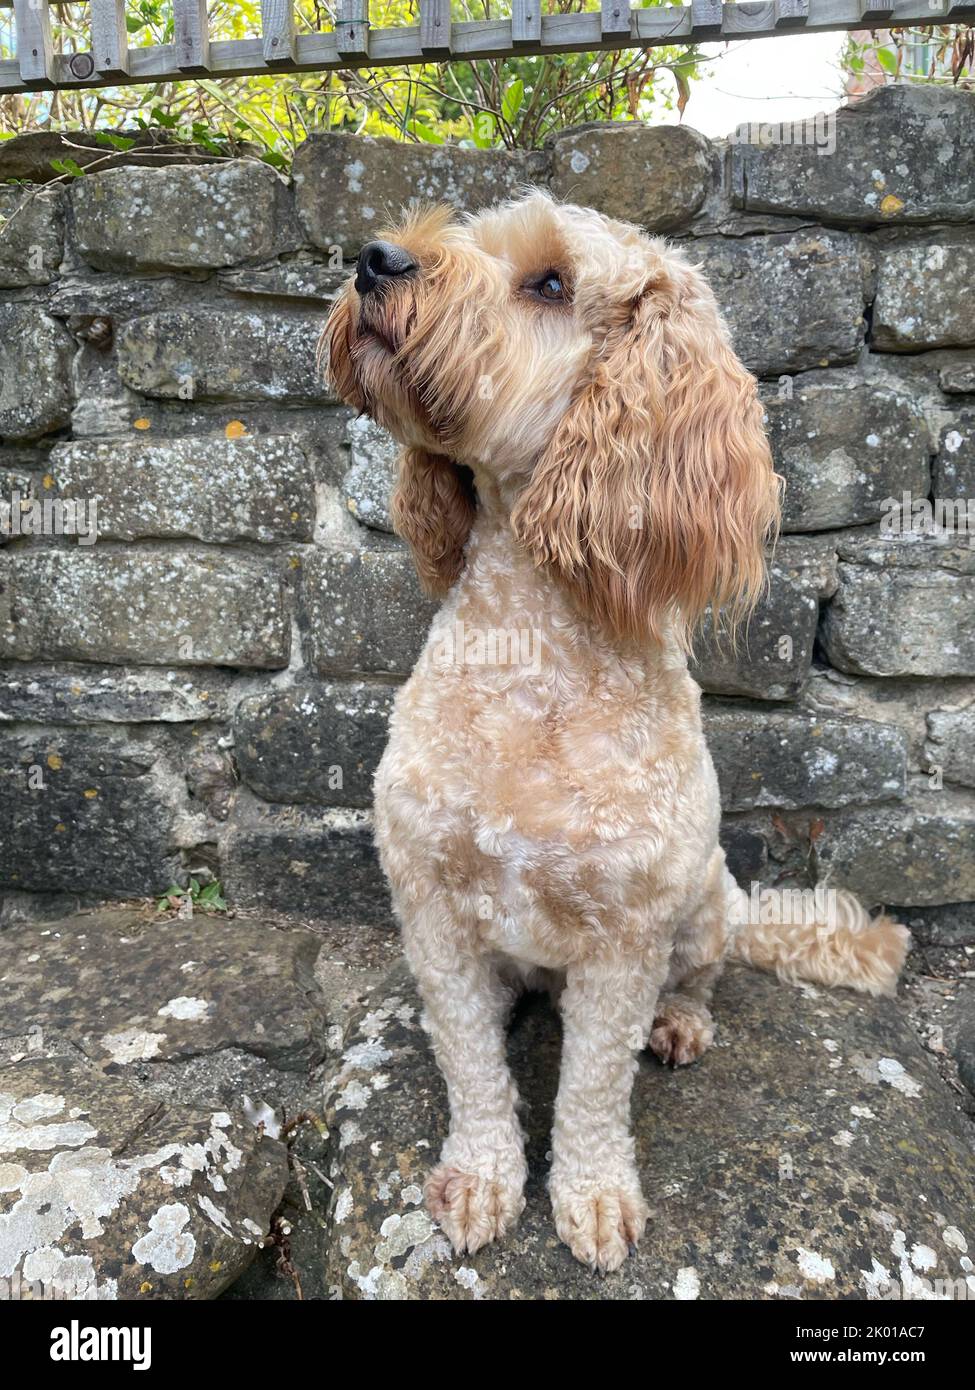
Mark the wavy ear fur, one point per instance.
(433, 509)
(657, 492)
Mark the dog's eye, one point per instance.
(548, 287)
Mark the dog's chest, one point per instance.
(534, 772)
(538, 795)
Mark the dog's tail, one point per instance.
(826, 936)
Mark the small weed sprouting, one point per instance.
(194, 898)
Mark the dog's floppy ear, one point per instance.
(433, 509)
(657, 492)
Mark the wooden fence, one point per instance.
(354, 43)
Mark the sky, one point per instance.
(780, 79)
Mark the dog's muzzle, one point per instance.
(378, 263)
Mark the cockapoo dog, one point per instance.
(584, 465)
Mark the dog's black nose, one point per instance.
(378, 262)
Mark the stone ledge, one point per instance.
(30, 236)
(29, 156)
(920, 300)
(138, 1073)
(919, 854)
(191, 487)
(230, 355)
(109, 1193)
(81, 811)
(319, 743)
(829, 1094)
(316, 863)
(843, 449)
(124, 988)
(348, 187)
(365, 611)
(175, 218)
(882, 169)
(792, 300)
(904, 606)
(654, 176)
(143, 606)
(35, 372)
(796, 759)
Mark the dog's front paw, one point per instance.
(682, 1031)
(599, 1220)
(471, 1210)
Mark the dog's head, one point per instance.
(583, 370)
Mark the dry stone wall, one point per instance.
(207, 686)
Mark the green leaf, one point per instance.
(424, 132)
(115, 142)
(68, 166)
(203, 136)
(276, 161)
(512, 100)
(485, 130)
(212, 899)
(163, 118)
(887, 59)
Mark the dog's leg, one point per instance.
(682, 1027)
(595, 1188)
(475, 1192)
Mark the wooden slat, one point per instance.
(874, 13)
(192, 37)
(435, 27)
(35, 51)
(791, 14)
(615, 17)
(278, 31)
(750, 18)
(706, 16)
(526, 21)
(352, 28)
(109, 37)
